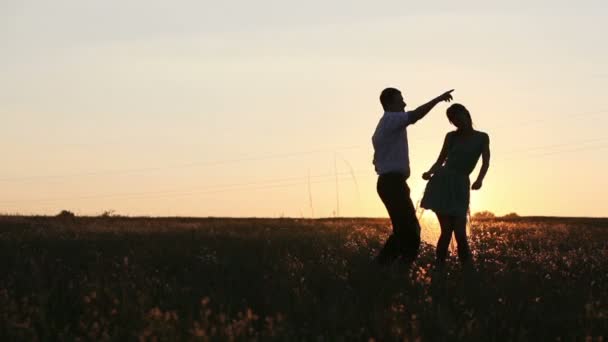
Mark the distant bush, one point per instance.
(511, 215)
(108, 213)
(66, 214)
(484, 215)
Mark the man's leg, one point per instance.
(390, 189)
(410, 226)
(389, 252)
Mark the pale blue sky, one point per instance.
(190, 105)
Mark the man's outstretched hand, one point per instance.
(447, 96)
(423, 110)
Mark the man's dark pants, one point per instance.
(405, 240)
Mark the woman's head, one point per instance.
(459, 116)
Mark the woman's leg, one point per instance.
(460, 232)
(444, 239)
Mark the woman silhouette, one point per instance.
(447, 190)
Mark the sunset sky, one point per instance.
(251, 108)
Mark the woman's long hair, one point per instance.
(455, 109)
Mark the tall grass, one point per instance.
(288, 279)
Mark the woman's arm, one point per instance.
(442, 156)
(485, 155)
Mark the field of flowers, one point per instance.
(189, 279)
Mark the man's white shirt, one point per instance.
(391, 151)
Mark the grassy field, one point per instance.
(116, 278)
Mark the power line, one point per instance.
(291, 181)
(266, 184)
(566, 144)
(587, 148)
(237, 160)
(576, 115)
(285, 182)
(518, 124)
(178, 166)
(250, 186)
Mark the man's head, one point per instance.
(392, 100)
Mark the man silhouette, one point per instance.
(391, 161)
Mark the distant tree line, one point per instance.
(485, 214)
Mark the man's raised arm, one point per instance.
(423, 110)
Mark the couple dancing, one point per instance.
(447, 189)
